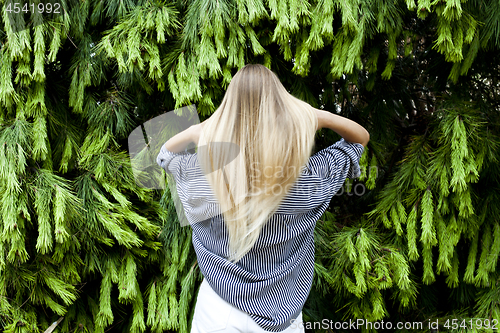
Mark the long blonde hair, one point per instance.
(274, 132)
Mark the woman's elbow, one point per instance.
(366, 138)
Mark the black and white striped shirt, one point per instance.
(271, 282)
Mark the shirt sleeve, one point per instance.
(339, 161)
(171, 162)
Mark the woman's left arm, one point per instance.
(180, 141)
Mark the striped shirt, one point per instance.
(273, 280)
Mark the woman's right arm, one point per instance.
(181, 140)
(348, 129)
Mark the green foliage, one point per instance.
(82, 241)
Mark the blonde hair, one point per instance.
(273, 131)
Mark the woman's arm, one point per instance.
(180, 141)
(348, 129)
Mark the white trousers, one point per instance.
(213, 314)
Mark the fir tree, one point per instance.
(85, 248)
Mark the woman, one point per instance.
(253, 213)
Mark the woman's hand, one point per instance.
(195, 132)
(321, 118)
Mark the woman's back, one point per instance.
(272, 281)
(274, 133)
(253, 218)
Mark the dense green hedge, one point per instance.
(416, 238)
